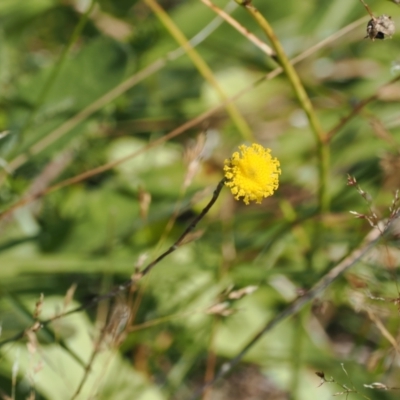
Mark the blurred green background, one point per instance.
(56, 60)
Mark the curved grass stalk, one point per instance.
(137, 276)
(176, 132)
(254, 39)
(202, 67)
(304, 100)
(370, 241)
(148, 71)
(114, 93)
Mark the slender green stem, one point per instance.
(304, 100)
(353, 258)
(135, 278)
(139, 77)
(202, 67)
(115, 92)
(57, 68)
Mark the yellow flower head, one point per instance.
(252, 174)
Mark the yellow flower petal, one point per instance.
(252, 174)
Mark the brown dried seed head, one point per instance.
(192, 157)
(144, 202)
(119, 317)
(380, 27)
(38, 306)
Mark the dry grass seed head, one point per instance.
(144, 203)
(69, 295)
(192, 158)
(38, 306)
(118, 320)
(381, 27)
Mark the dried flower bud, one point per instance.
(238, 294)
(380, 27)
(38, 306)
(351, 180)
(119, 317)
(376, 385)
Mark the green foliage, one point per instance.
(64, 117)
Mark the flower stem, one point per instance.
(304, 100)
